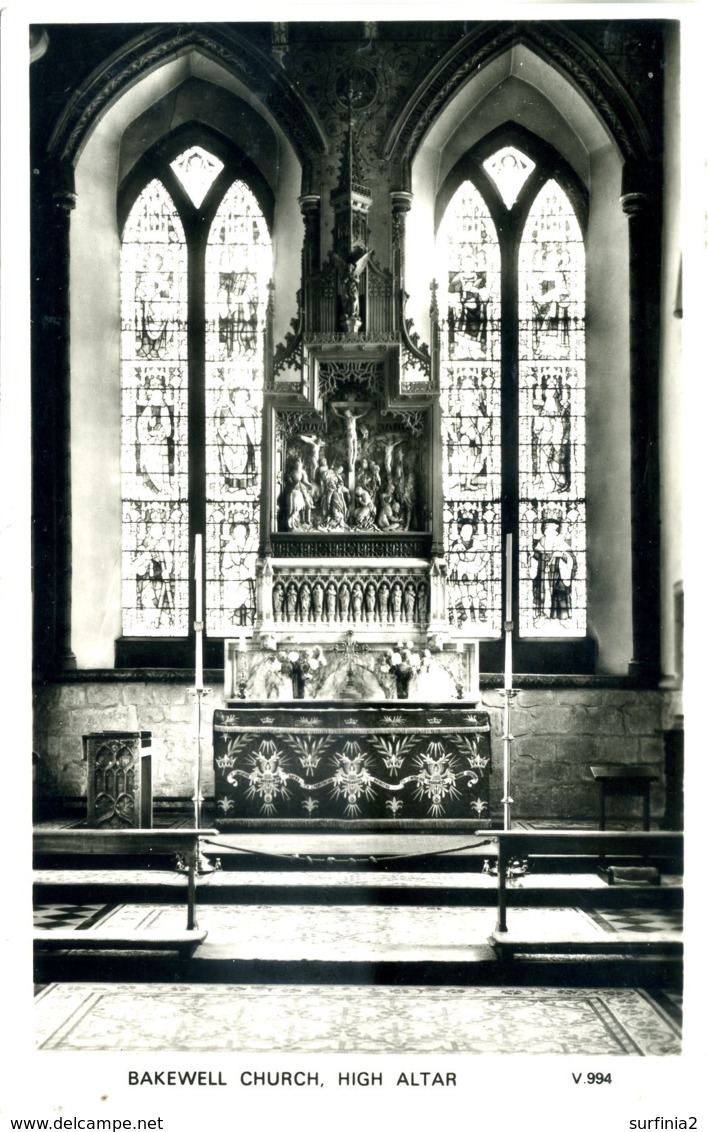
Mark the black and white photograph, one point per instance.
(345, 439)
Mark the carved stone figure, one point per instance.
(387, 519)
(350, 418)
(396, 600)
(278, 600)
(364, 512)
(370, 601)
(291, 602)
(409, 601)
(384, 590)
(357, 601)
(344, 601)
(305, 601)
(331, 601)
(317, 600)
(298, 496)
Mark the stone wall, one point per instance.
(558, 734)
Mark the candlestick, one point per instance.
(198, 577)
(508, 578)
(199, 659)
(507, 662)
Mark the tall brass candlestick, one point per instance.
(198, 613)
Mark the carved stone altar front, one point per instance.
(372, 764)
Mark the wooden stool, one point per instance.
(632, 781)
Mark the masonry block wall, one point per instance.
(559, 733)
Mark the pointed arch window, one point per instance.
(512, 377)
(196, 263)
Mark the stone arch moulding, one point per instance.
(561, 48)
(262, 76)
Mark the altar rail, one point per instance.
(105, 843)
(523, 845)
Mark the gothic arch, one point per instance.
(224, 50)
(562, 49)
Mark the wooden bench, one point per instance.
(102, 843)
(524, 844)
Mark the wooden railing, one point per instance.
(104, 843)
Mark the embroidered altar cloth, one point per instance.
(381, 761)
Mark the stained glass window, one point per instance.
(238, 265)
(509, 168)
(541, 414)
(470, 390)
(196, 170)
(154, 384)
(161, 381)
(552, 572)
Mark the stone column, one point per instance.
(310, 209)
(64, 201)
(401, 202)
(644, 281)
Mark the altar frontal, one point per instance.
(378, 762)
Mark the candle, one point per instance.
(508, 578)
(199, 663)
(241, 643)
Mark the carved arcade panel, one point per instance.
(341, 598)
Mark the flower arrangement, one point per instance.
(299, 666)
(403, 663)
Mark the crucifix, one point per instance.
(351, 411)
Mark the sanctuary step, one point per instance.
(329, 943)
(184, 942)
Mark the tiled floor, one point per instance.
(48, 916)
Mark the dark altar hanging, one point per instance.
(383, 763)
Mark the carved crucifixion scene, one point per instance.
(359, 467)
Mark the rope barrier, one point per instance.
(312, 860)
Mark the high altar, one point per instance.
(353, 674)
(366, 764)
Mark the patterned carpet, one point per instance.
(355, 1020)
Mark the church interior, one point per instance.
(357, 547)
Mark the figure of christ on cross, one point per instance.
(346, 410)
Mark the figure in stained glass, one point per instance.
(551, 303)
(471, 316)
(153, 289)
(238, 312)
(154, 573)
(155, 443)
(553, 569)
(550, 439)
(237, 447)
(237, 574)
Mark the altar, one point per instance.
(328, 765)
